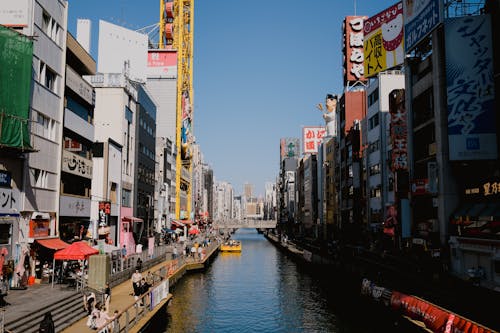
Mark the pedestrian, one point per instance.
(193, 251)
(139, 264)
(47, 324)
(174, 253)
(89, 302)
(107, 295)
(136, 281)
(199, 252)
(102, 319)
(149, 279)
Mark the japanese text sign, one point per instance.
(420, 18)
(312, 137)
(398, 130)
(353, 49)
(104, 212)
(383, 40)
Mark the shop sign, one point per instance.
(5, 178)
(353, 49)
(312, 138)
(486, 189)
(39, 228)
(76, 165)
(104, 212)
(419, 186)
(398, 130)
(10, 200)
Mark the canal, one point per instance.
(263, 290)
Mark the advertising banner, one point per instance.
(470, 88)
(159, 293)
(420, 18)
(104, 212)
(289, 147)
(399, 135)
(384, 42)
(162, 63)
(353, 49)
(312, 136)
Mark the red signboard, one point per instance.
(419, 186)
(104, 212)
(39, 228)
(312, 138)
(353, 49)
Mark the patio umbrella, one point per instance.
(193, 231)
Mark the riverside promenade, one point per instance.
(132, 318)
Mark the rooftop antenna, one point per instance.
(354, 1)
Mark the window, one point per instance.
(5, 232)
(47, 77)
(46, 127)
(373, 97)
(373, 121)
(41, 178)
(374, 146)
(51, 28)
(126, 198)
(374, 169)
(112, 193)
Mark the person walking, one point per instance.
(136, 281)
(149, 279)
(174, 253)
(107, 295)
(47, 324)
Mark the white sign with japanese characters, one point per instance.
(10, 200)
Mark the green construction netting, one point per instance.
(16, 59)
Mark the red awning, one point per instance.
(132, 219)
(53, 243)
(76, 251)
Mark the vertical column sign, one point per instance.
(104, 212)
(398, 130)
(353, 49)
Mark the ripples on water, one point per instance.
(259, 290)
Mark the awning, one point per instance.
(178, 223)
(52, 243)
(478, 211)
(132, 219)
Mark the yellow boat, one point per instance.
(231, 246)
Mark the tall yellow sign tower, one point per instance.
(177, 32)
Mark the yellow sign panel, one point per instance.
(384, 40)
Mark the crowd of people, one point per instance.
(98, 315)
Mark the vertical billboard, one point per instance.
(384, 40)
(470, 88)
(162, 63)
(289, 147)
(353, 49)
(421, 18)
(399, 130)
(312, 136)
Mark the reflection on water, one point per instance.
(259, 290)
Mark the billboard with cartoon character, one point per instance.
(384, 40)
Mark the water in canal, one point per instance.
(263, 290)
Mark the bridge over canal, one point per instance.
(246, 223)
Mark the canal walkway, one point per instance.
(122, 300)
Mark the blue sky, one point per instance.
(260, 69)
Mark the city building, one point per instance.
(30, 158)
(77, 145)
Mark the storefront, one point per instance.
(475, 234)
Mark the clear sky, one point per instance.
(260, 69)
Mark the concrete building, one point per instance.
(379, 178)
(115, 158)
(223, 201)
(31, 181)
(77, 145)
(144, 174)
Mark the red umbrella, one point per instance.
(193, 231)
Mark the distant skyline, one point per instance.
(260, 69)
